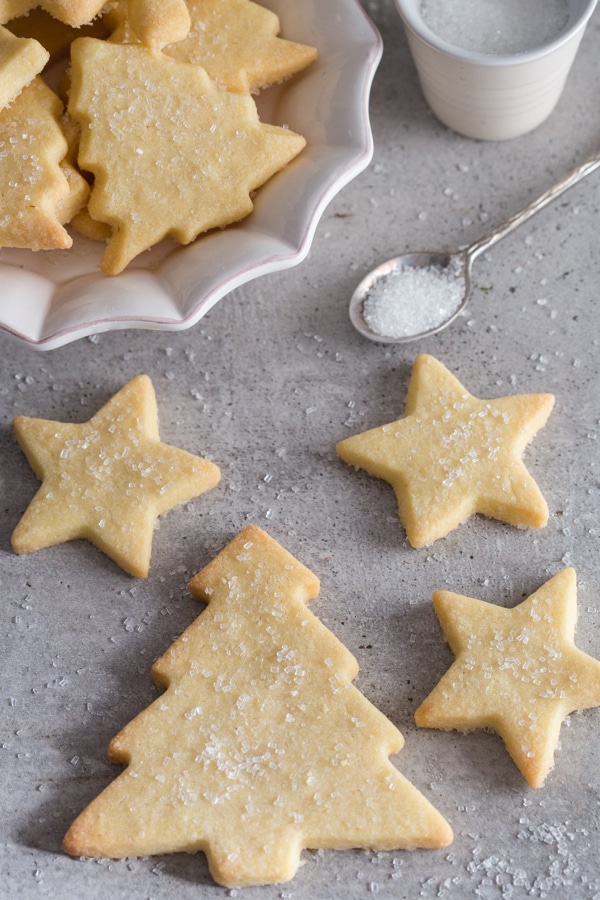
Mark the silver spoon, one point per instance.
(456, 264)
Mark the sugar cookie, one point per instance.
(34, 188)
(260, 745)
(107, 480)
(452, 455)
(516, 671)
(158, 22)
(171, 153)
(21, 59)
(71, 12)
(238, 43)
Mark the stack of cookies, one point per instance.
(152, 130)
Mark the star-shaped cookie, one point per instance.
(107, 480)
(452, 455)
(517, 671)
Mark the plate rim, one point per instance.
(282, 254)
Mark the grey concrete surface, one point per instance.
(265, 386)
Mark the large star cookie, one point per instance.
(107, 480)
(452, 455)
(260, 745)
(516, 671)
(171, 152)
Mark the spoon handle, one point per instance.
(492, 237)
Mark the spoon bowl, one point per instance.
(457, 266)
(409, 322)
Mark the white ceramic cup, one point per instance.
(492, 97)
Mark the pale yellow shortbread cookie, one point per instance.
(34, 188)
(79, 192)
(171, 153)
(453, 455)
(21, 59)
(260, 745)
(71, 12)
(74, 203)
(107, 480)
(158, 22)
(517, 671)
(83, 223)
(236, 41)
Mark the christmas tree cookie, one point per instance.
(238, 43)
(260, 745)
(107, 480)
(453, 455)
(35, 189)
(172, 153)
(516, 671)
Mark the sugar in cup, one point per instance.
(493, 71)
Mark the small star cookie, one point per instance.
(452, 455)
(107, 480)
(517, 671)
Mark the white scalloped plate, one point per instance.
(48, 299)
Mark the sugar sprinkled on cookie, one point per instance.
(260, 745)
(204, 152)
(34, 187)
(453, 455)
(516, 671)
(107, 480)
(171, 152)
(238, 43)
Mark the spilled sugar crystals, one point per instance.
(408, 301)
